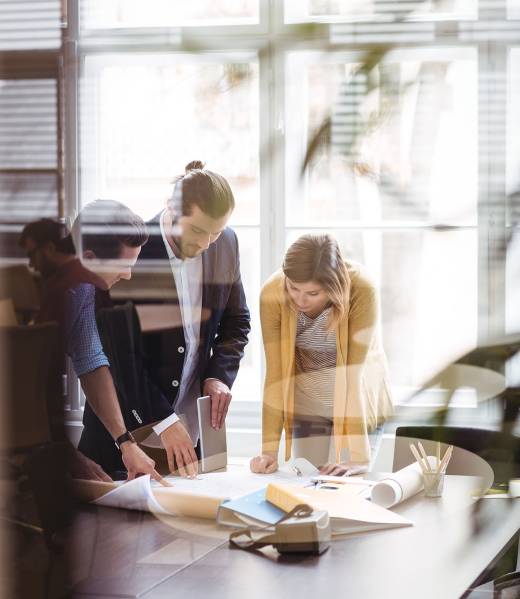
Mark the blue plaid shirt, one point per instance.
(82, 340)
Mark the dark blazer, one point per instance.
(225, 322)
(140, 399)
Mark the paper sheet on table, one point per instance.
(234, 483)
(134, 495)
(346, 504)
(198, 497)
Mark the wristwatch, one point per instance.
(126, 436)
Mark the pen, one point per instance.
(297, 470)
(313, 484)
(340, 480)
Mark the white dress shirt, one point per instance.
(187, 274)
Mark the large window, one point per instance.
(165, 13)
(402, 161)
(376, 10)
(513, 189)
(144, 117)
(30, 132)
(409, 172)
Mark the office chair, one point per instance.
(18, 284)
(33, 463)
(7, 313)
(26, 358)
(477, 452)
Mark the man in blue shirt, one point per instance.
(119, 235)
(52, 254)
(70, 301)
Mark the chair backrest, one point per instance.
(25, 356)
(7, 313)
(476, 452)
(47, 467)
(18, 284)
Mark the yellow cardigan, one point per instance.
(362, 398)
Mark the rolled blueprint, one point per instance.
(400, 485)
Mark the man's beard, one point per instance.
(183, 250)
(189, 250)
(46, 268)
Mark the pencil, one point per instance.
(438, 460)
(446, 458)
(417, 457)
(425, 457)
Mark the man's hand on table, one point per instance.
(179, 449)
(137, 462)
(220, 399)
(86, 469)
(263, 464)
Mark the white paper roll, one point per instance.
(400, 485)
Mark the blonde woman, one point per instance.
(326, 382)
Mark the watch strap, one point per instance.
(126, 436)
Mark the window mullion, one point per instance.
(492, 114)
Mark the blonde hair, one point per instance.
(318, 258)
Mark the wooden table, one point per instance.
(129, 554)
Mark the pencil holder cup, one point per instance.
(433, 484)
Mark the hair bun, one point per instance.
(193, 166)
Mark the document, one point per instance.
(235, 483)
(205, 497)
(136, 494)
(198, 497)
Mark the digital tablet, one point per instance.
(213, 446)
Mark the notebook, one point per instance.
(250, 509)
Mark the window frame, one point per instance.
(272, 39)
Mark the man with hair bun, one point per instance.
(202, 356)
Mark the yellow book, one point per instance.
(285, 498)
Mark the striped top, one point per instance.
(315, 356)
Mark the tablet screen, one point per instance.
(213, 446)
